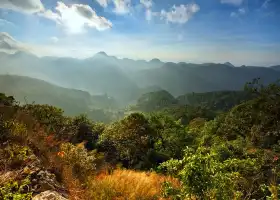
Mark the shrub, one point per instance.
(82, 162)
(203, 176)
(14, 156)
(16, 190)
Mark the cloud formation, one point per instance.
(265, 4)
(233, 2)
(4, 22)
(76, 17)
(147, 3)
(149, 14)
(180, 14)
(122, 6)
(240, 11)
(27, 6)
(9, 45)
(103, 3)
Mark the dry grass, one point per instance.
(128, 185)
(74, 187)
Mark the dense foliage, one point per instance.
(211, 150)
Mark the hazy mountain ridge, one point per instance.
(29, 90)
(124, 79)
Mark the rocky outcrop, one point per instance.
(49, 195)
(43, 183)
(41, 179)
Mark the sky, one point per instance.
(237, 31)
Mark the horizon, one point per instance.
(135, 60)
(241, 32)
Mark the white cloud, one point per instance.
(149, 15)
(4, 22)
(54, 39)
(103, 3)
(147, 3)
(240, 11)
(180, 14)
(50, 15)
(27, 6)
(122, 6)
(76, 17)
(9, 45)
(233, 2)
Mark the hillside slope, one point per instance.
(27, 90)
(179, 79)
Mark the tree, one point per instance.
(171, 136)
(86, 131)
(257, 119)
(155, 101)
(6, 100)
(128, 140)
(203, 176)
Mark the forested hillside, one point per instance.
(73, 102)
(222, 153)
(126, 80)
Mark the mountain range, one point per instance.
(126, 79)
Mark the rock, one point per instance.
(43, 180)
(49, 195)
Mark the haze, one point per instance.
(243, 32)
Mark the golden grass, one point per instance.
(128, 185)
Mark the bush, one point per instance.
(82, 162)
(16, 190)
(203, 176)
(14, 156)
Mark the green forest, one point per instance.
(214, 145)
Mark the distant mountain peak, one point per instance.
(229, 64)
(155, 60)
(101, 53)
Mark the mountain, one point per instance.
(187, 78)
(229, 64)
(28, 90)
(155, 101)
(276, 67)
(126, 79)
(220, 100)
(96, 76)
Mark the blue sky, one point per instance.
(238, 31)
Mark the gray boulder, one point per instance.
(49, 195)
